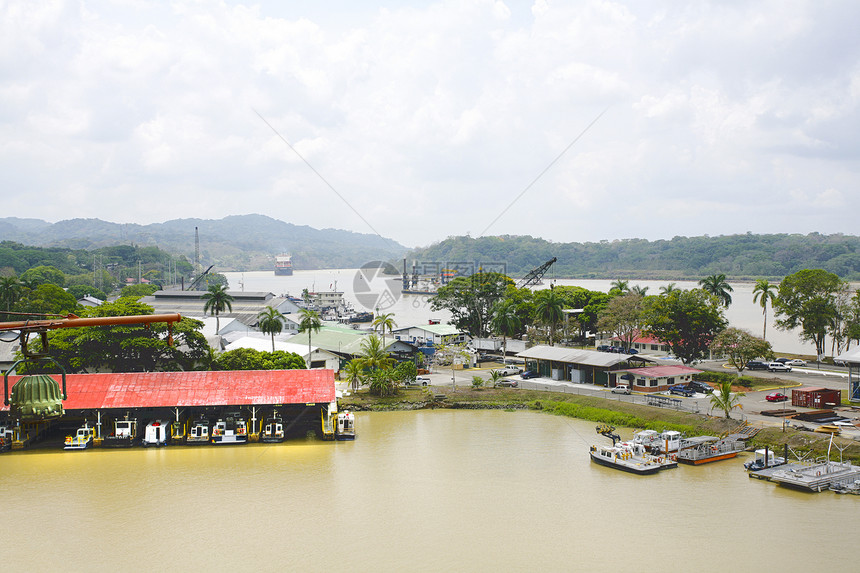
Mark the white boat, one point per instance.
(123, 435)
(273, 430)
(82, 439)
(199, 432)
(231, 430)
(763, 459)
(345, 425)
(156, 433)
(631, 457)
(659, 442)
(707, 449)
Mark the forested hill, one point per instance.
(737, 256)
(239, 242)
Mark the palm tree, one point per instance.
(354, 371)
(495, 376)
(620, 285)
(217, 300)
(763, 292)
(310, 322)
(549, 310)
(725, 399)
(10, 290)
(506, 322)
(641, 291)
(717, 286)
(271, 321)
(384, 322)
(373, 354)
(669, 288)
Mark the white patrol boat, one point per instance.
(231, 430)
(345, 425)
(628, 456)
(199, 432)
(273, 430)
(82, 439)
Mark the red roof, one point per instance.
(662, 371)
(165, 389)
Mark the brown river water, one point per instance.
(417, 491)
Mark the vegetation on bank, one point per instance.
(597, 409)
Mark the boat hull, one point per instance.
(709, 459)
(645, 470)
(283, 272)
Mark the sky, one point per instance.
(571, 121)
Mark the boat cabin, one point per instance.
(346, 425)
(157, 433)
(199, 432)
(82, 439)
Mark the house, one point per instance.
(575, 365)
(641, 343)
(658, 378)
(90, 301)
(433, 334)
(347, 342)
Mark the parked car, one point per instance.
(776, 397)
(681, 389)
(507, 383)
(778, 367)
(529, 374)
(604, 348)
(756, 365)
(508, 370)
(782, 359)
(697, 386)
(796, 362)
(621, 389)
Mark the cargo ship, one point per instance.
(284, 264)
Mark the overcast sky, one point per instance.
(421, 120)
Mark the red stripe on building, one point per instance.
(166, 389)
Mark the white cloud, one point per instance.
(442, 112)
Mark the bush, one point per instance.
(720, 377)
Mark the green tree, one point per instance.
(623, 318)
(144, 289)
(215, 301)
(471, 300)
(549, 310)
(666, 289)
(724, 399)
(383, 322)
(686, 320)
(251, 359)
(718, 286)
(44, 275)
(80, 291)
(639, 290)
(807, 299)
(739, 347)
(619, 287)
(495, 376)
(271, 322)
(373, 354)
(764, 292)
(10, 291)
(47, 298)
(310, 322)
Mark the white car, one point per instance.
(796, 362)
(778, 367)
(621, 389)
(508, 370)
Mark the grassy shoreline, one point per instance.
(597, 409)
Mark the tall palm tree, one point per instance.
(718, 286)
(271, 321)
(764, 291)
(10, 290)
(373, 354)
(724, 399)
(354, 371)
(216, 301)
(310, 322)
(384, 322)
(620, 285)
(506, 322)
(549, 310)
(669, 288)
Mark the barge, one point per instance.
(631, 457)
(706, 449)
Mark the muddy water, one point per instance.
(417, 491)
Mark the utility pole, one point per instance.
(196, 251)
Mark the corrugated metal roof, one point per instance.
(225, 388)
(574, 356)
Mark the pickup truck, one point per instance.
(419, 381)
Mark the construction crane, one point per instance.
(196, 281)
(535, 275)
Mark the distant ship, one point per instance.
(284, 264)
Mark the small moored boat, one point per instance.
(705, 449)
(199, 432)
(273, 430)
(231, 430)
(156, 433)
(123, 435)
(345, 425)
(82, 439)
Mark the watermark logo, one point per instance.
(377, 285)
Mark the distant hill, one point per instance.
(240, 242)
(737, 256)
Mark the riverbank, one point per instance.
(597, 409)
